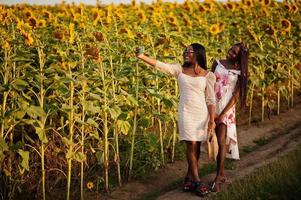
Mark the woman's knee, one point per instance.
(221, 132)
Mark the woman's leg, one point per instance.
(192, 155)
(221, 133)
(198, 151)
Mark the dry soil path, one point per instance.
(284, 129)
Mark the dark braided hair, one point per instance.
(242, 60)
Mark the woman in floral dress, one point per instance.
(231, 83)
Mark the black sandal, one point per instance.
(201, 189)
(188, 185)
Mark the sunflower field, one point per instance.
(80, 113)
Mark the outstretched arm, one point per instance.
(147, 59)
(171, 69)
(140, 54)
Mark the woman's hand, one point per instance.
(139, 51)
(211, 125)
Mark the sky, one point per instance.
(92, 2)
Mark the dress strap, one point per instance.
(233, 71)
(219, 63)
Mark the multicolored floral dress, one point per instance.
(224, 87)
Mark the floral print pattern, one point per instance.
(220, 88)
(224, 88)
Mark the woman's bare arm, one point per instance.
(147, 59)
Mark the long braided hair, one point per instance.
(242, 60)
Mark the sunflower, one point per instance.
(42, 23)
(286, 25)
(91, 52)
(248, 3)
(6, 45)
(95, 14)
(172, 19)
(266, 2)
(178, 28)
(163, 40)
(266, 12)
(90, 185)
(294, 8)
(171, 6)
(46, 14)
(123, 30)
(3, 15)
(118, 14)
(209, 6)
(15, 19)
(20, 24)
(165, 52)
(215, 29)
(28, 14)
(23, 26)
(96, 17)
(270, 30)
(187, 6)
(81, 9)
(221, 25)
(231, 6)
(140, 36)
(32, 22)
(202, 9)
(28, 38)
(128, 32)
(287, 6)
(58, 34)
(99, 36)
(156, 19)
(141, 15)
(187, 22)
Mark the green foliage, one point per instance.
(68, 81)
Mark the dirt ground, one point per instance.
(284, 129)
(248, 163)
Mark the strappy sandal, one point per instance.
(214, 186)
(188, 185)
(201, 189)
